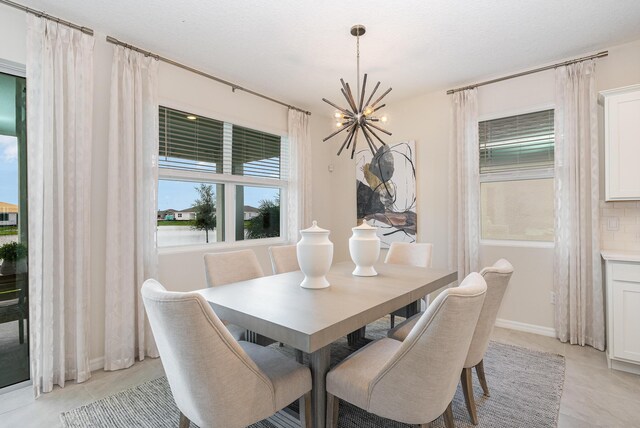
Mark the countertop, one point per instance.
(621, 255)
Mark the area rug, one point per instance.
(525, 386)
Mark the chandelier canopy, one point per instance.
(358, 117)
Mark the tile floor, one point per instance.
(593, 396)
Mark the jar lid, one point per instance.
(314, 229)
(364, 226)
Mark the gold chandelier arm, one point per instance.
(372, 146)
(347, 112)
(374, 134)
(379, 129)
(378, 108)
(349, 96)
(371, 96)
(347, 140)
(337, 132)
(355, 143)
(380, 98)
(364, 87)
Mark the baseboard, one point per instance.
(527, 328)
(96, 364)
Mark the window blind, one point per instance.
(255, 153)
(190, 144)
(519, 142)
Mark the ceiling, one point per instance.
(296, 50)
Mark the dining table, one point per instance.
(310, 320)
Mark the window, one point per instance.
(516, 177)
(219, 182)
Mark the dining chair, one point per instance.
(412, 381)
(13, 301)
(216, 381)
(408, 254)
(497, 278)
(284, 258)
(232, 266)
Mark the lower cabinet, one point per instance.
(623, 314)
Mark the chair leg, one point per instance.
(448, 416)
(299, 356)
(467, 389)
(333, 404)
(184, 421)
(305, 411)
(482, 378)
(393, 320)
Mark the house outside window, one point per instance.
(219, 182)
(516, 177)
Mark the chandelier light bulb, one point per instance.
(383, 119)
(337, 115)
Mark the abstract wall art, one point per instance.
(386, 191)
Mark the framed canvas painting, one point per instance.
(386, 191)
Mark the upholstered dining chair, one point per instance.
(408, 254)
(412, 381)
(497, 278)
(284, 258)
(216, 381)
(232, 266)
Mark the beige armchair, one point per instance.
(408, 254)
(497, 278)
(232, 266)
(284, 258)
(216, 381)
(413, 381)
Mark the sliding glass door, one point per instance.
(14, 338)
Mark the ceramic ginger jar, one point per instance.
(315, 254)
(364, 247)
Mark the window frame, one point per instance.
(521, 175)
(230, 182)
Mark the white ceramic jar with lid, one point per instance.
(364, 247)
(315, 254)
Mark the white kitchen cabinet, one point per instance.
(622, 143)
(622, 274)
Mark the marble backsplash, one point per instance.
(620, 225)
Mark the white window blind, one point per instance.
(190, 142)
(519, 142)
(255, 153)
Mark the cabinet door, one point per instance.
(622, 118)
(626, 320)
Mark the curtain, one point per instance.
(299, 200)
(131, 206)
(59, 128)
(579, 309)
(464, 190)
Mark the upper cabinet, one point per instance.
(622, 143)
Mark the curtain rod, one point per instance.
(41, 14)
(234, 87)
(535, 70)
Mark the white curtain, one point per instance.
(464, 189)
(59, 128)
(299, 201)
(579, 317)
(131, 206)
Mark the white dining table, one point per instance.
(311, 319)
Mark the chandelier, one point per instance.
(358, 117)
